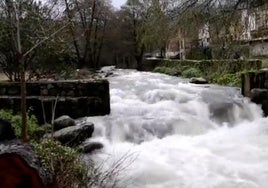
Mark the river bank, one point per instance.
(223, 72)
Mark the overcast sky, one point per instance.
(118, 3)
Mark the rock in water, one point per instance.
(107, 71)
(198, 80)
(75, 135)
(6, 130)
(63, 122)
(91, 146)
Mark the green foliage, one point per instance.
(34, 130)
(218, 72)
(227, 79)
(64, 163)
(192, 72)
(209, 67)
(168, 70)
(71, 170)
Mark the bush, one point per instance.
(34, 130)
(64, 163)
(159, 69)
(167, 70)
(227, 79)
(192, 72)
(69, 169)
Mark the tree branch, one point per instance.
(44, 40)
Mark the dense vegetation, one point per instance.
(223, 72)
(229, 79)
(35, 130)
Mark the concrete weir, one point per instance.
(76, 98)
(255, 86)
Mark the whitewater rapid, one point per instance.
(167, 133)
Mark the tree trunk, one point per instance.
(24, 131)
(75, 43)
(139, 58)
(20, 167)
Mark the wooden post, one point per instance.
(248, 82)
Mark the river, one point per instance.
(167, 133)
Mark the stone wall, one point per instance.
(259, 48)
(75, 98)
(255, 86)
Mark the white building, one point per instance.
(204, 36)
(248, 21)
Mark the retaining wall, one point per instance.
(255, 86)
(76, 98)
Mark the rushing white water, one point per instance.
(168, 133)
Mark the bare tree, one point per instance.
(88, 20)
(15, 14)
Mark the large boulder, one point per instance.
(6, 130)
(80, 121)
(198, 80)
(107, 71)
(75, 135)
(89, 147)
(63, 122)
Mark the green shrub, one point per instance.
(64, 163)
(167, 70)
(211, 66)
(227, 79)
(69, 169)
(159, 69)
(34, 130)
(192, 72)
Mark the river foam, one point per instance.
(168, 133)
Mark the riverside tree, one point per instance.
(22, 33)
(157, 27)
(87, 26)
(36, 23)
(147, 26)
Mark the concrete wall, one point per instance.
(255, 87)
(259, 48)
(74, 98)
